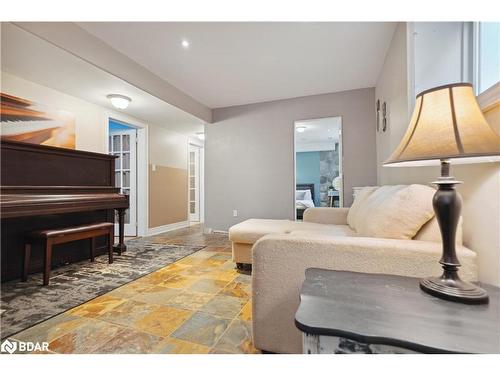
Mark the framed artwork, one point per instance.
(26, 121)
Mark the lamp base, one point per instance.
(454, 289)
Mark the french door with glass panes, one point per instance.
(123, 145)
(194, 183)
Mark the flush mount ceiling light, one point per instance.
(185, 43)
(300, 129)
(200, 135)
(119, 101)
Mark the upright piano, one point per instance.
(49, 187)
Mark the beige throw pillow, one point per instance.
(360, 198)
(430, 232)
(395, 211)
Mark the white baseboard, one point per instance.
(220, 231)
(167, 228)
(210, 231)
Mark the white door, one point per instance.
(123, 144)
(194, 183)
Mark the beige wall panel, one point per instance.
(167, 196)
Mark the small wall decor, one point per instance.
(384, 117)
(378, 114)
(26, 121)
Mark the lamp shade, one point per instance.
(447, 123)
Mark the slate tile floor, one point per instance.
(199, 304)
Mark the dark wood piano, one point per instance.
(49, 187)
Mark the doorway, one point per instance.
(195, 183)
(318, 164)
(122, 143)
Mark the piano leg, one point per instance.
(120, 246)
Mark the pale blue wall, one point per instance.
(307, 164)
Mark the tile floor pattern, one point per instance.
(24, 304)
(199, 304)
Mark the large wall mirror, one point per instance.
(318, 164)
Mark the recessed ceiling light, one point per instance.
(185, 44)
(200, 135)
(300, 129)
(119, 101)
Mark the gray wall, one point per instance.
(249, 154)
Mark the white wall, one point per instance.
(167, 148)
(439, 49)
(481, 188)
(315, 146)
(72, 38)
(249, 154)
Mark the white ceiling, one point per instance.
(34, 59)
(320, 134)
(238, 63)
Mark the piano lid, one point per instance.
(23, 205)
(26, 164)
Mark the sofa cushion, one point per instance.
(395, 211)
(249, 231)
(332, 230)
(361, 196)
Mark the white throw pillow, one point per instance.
(299, 195)
(361, 196)
(306, 195)
(395, 211)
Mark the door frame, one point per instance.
(201, 145)
(142, 165)
(130, 227)
(341, 159)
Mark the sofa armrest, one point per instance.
(326, 215)
(280, 260)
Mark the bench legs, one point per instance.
(110, 246)
(47, 261)
(111, 239)
(26, 261)
(92, 249)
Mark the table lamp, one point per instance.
(448, 125)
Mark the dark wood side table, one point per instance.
(349, 312)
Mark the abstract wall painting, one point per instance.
(26, 121)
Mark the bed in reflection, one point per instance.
(304, 198)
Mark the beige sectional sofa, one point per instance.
(336, 238)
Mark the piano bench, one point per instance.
(51, 237)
